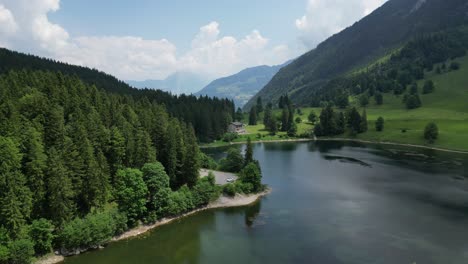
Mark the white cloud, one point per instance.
(324, 18)
(7, 21)
(128, 57)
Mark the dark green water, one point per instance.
(331, 203)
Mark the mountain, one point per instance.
(177, 83)
(384, 30)
(208, 111)
(241, 86)
(16, 61)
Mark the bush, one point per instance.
(131, 193)
(230, 189)
(207, 162)
(454, 66)
(21, 251)
(180, 201)
(205, 191)
(93, 230)
(431, 132)
(251, 174)
(40, 232)
(233, 161)
(298, 120)
(228, 137)
(428, 87)
(379, 124)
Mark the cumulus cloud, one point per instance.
(7, 21)
(26, 27)
(325, 18)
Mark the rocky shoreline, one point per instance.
(222, 202)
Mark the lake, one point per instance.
(332, 202)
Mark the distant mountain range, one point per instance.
(386, 29)
(177, 83)
(241, 86)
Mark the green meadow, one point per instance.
(447, 106)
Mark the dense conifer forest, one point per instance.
(82, 160)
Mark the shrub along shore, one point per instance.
(222, 202)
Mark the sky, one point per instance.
(151, 39)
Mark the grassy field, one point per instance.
(447, 107)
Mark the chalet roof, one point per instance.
(237, 124)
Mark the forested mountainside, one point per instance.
(65, 152)
(386, 29)
(208, 116)
(241, 86)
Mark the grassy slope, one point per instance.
(447, 106)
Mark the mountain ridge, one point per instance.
(243, 85)
(385, 29)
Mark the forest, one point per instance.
(400, 71)
(79, 164)
(209, 116)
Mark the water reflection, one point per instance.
(251, 213)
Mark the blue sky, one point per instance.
(138, 40)
(178, 20)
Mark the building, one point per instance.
(237, 127)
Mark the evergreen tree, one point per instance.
(431, 132)
(15, 197)
(378, 98)
(354, 120)
(191, 165)
(292, 131)
(116, 153)
(34, 166)
(239, 115)
(259, 105)
(253, 117)
(59, 190)
(267, 118)
(248, 152)
(379, 124)
(428, 87)
(363, 126)
(285, 119)
(312, 117)
(54, 128)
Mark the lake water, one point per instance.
(332, 202)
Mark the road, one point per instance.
(220, 176)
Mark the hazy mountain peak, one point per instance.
(176, 83)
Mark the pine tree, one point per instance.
(363, 126)
(239, 115)
(54, 128)
(15, 197)
(259, 105)
(34, 166)
(253, 117)
(267, 118)
(191, 165)
(116, 153)
(285, 119)
(248, 158)
(59, 190)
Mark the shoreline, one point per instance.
(238, 200)
(222, 202)
(394, 144)
(347, 140)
